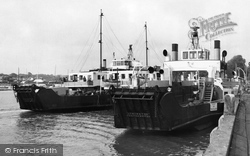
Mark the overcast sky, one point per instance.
(58, 36)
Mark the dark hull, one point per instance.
(160, 110)
(45, 99)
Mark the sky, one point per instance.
(61, 36)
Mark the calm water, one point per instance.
(91, 133)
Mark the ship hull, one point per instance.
(160, 110)
(46, 99)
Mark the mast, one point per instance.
(100, 41)
(146, 44)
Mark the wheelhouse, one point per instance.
(195, 54)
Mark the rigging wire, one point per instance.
(78, 62)
(88, 53)
(139, 48)
(115, 35)
(106, 43)
(152, 43)
(108, 37)
(139, 44)
(157, 55)
(91, 47)
(109, 42)
(140, 36)
(109, 46)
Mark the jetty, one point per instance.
(232, 136)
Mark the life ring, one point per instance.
(111, 89)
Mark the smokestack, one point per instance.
(104, 63)
(174, 52)
(216, 49)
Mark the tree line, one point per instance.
(13, 77)
(240, 62)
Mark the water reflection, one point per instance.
(81, 133)
(133, 142)
(93, 131)
(33, 127)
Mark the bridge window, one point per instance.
(201, 54)
(74, 78)
(193, 54)
(119, 63)
(185, 55)
(123, 76)
(207, 55)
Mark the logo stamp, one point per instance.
(213, 27)
(7, 150)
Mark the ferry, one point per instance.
(76, 95)
(187, 94)
(120, 74)
(85, 89)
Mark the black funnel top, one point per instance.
(216, 44)
(174, 47)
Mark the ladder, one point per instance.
(208, 92)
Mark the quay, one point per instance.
(232, 136)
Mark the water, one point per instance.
(91, 133)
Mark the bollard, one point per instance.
(229, 104)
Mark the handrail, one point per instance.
(212, 90)
(203, 90)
